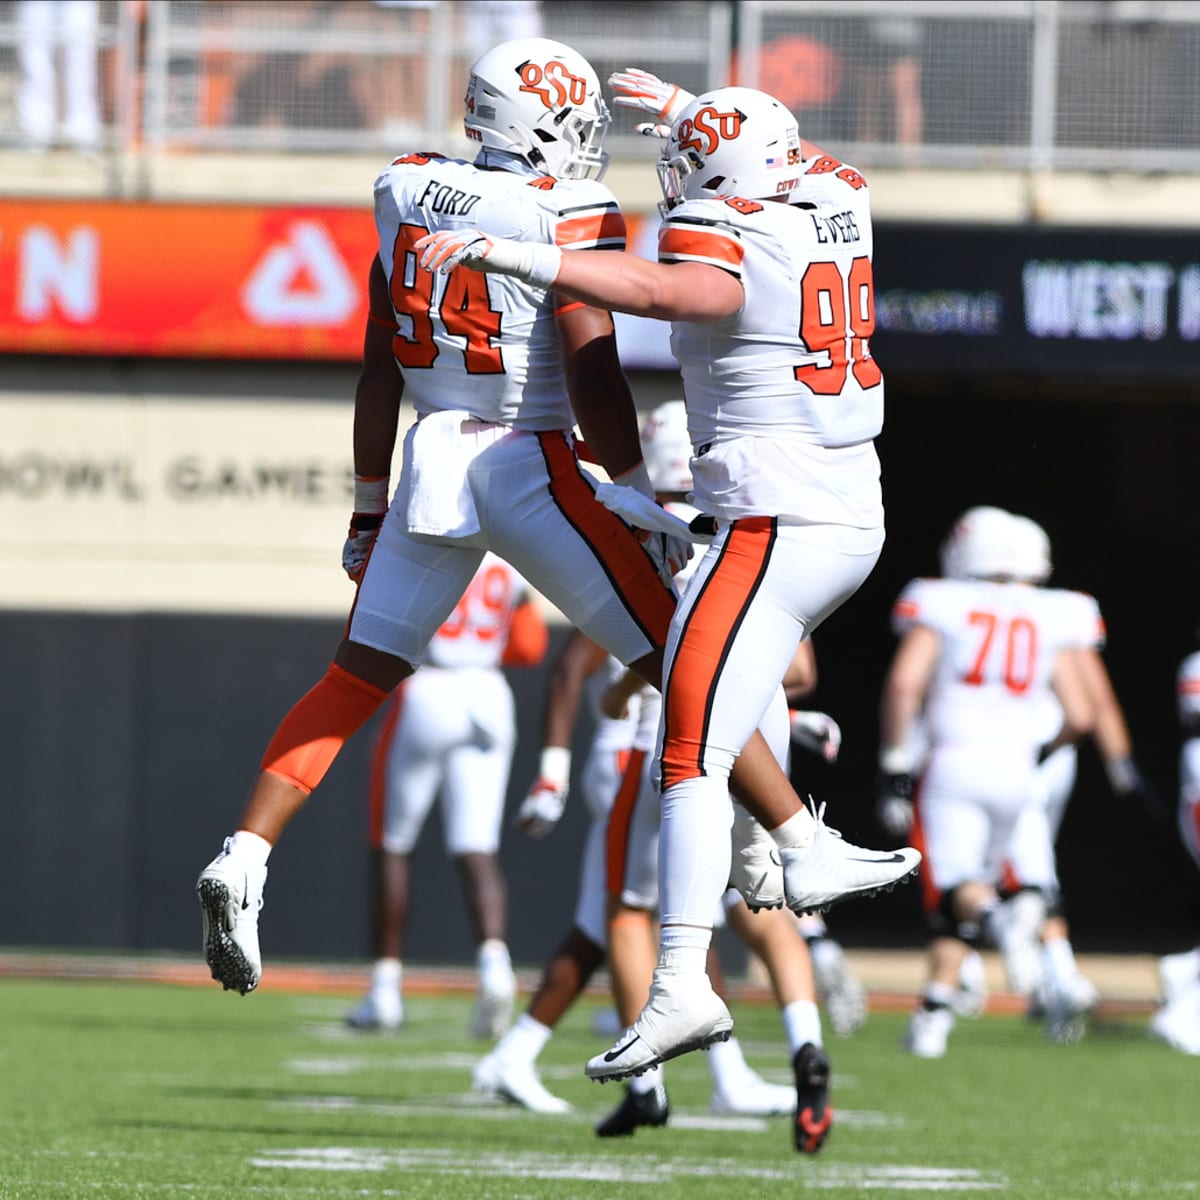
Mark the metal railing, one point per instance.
(1032, 85)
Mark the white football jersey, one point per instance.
(793, 368)
(999, 646)
(1187, 687)
(485, 344)
(476, 632)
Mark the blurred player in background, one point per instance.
(978, 651)
(499, 371)
(1177, 1021)
(450, 731)
(771, 315)
(1038, 957)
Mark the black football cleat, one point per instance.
(638, 1108)
(814, 1114)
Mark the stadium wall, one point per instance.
(169, 584)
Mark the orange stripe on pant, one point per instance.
(377, 782)
(646, 597)
(710, 628)
(620, 821)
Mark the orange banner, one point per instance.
(212, 281)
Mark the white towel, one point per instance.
(640, 510)
(440, 502)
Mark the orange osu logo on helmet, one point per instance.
(704, 131)
(553, 83)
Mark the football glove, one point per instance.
(370, 507)
(669, 552)
(542, 808)
(536, 263)
(1128, 782)
(893, 808)
(818, 732)
(647, 93)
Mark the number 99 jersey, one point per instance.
(794, 365)
(485, 344)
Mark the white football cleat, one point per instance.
(494, 1003)
(377, 1010)
(516, 1082)
(231, 894)
(830, 869)
(682, 1014)
(753, 1096)
(755, 868)
(1067, 1006)
(1178, 974)
(928, 1032)
(840, 991)
(1178, 1025)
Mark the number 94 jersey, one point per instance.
(486, 344)
(999, 646)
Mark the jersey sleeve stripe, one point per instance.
(695, 245)
(597, 228)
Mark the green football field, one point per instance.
(131, 1090)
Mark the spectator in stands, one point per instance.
(57, 51)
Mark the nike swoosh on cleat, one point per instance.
(897, 858)
(614, 1054)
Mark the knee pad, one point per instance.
(944, 922)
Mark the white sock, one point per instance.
(683, 949)
(797, 832)
(493, 953)
(386, 975)
(938, 995)
(647, 1081)
(694, 850)
(802, 1024)
(826, 954)
(523, 1041)
(727, 1064)
(1059, 959)
(250, 846)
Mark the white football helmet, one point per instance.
(1031, 551)
(667, 448)
(980, 545)
(541, 100)
(731, 141)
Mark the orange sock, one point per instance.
(312, 734)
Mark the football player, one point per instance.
(449, 731)
(978, 652)
(498, 371)
(764, 270)
(1177, 1020)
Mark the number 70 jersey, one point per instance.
(999, 646)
